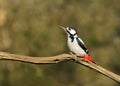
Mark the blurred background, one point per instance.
(32, 27)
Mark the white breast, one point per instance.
(74, 47)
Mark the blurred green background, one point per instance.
(32, 27)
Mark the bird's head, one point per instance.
(70, 31)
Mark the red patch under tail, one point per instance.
(88, 58)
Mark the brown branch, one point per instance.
(57, 59)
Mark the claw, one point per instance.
(75, 57)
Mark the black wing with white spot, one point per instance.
(82, 45)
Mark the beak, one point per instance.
(63, 28)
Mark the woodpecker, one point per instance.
(76, 45)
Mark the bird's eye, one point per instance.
(69, 28)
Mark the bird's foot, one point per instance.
(74, 56)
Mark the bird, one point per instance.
(76, 45)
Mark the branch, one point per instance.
(57, 59)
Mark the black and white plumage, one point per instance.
(75, 43)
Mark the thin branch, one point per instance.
(35, 60)
(57, 59)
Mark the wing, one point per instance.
(82, 45)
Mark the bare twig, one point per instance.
(57, 59)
